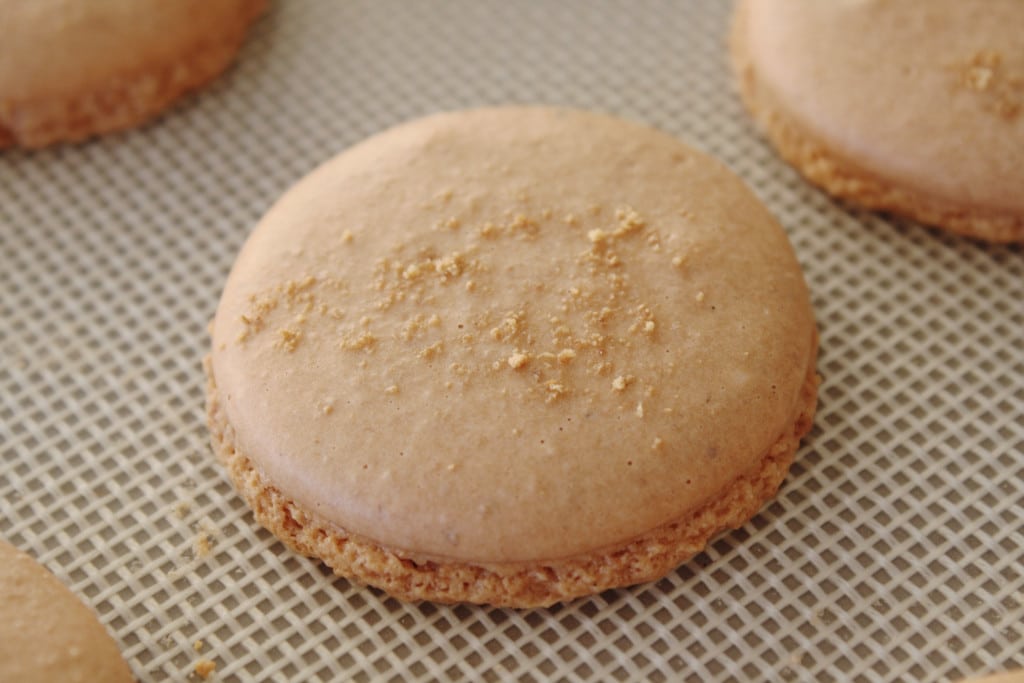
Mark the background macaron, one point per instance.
(46, 633)
(69, 70)
(914, 107)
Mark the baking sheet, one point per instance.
(894, 551)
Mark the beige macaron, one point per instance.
(1014, 676)
(914, 107)
(71, 69)
(46, 633)
(512, 356)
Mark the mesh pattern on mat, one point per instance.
(894, 551)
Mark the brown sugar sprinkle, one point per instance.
(622, 381)
(201, 546)
(361, 342)
(418, 325)
(644, 321)
(414, 327)
(597, 305)
(562, 335)
(629, 221)
(488, 230)
(204, 668)
(407, 280)
(431, 351)
(509, 327)
(255, 318)
(453, 223)
(985, 73)
(451, 266)
(603, 315)
(616, 282)
(288, 339)
(524, 225)
(347, 237)
(555, 391)
(518, 360)
(979, 71)
(654, 240)
(292, 288)
(594, 340)
(294, 295)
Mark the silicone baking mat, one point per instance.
(894, 550)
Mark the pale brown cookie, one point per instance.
(72, 69)
(512, 356)
(914, 107)
(46, 633)
(1015, 676)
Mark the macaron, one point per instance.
(914, 107)
(1014, 676)
(511, 356)
(70, 70)
(46, 633)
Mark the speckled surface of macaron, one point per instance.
(71, 69)
(46, 633)
(512, 356)
(910, 106)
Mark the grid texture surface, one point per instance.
(894, 551)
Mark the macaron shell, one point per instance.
(926, 96)
(69, 69)
(46, 633)
(647, 557)
(1015, 676)
(387, 345)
